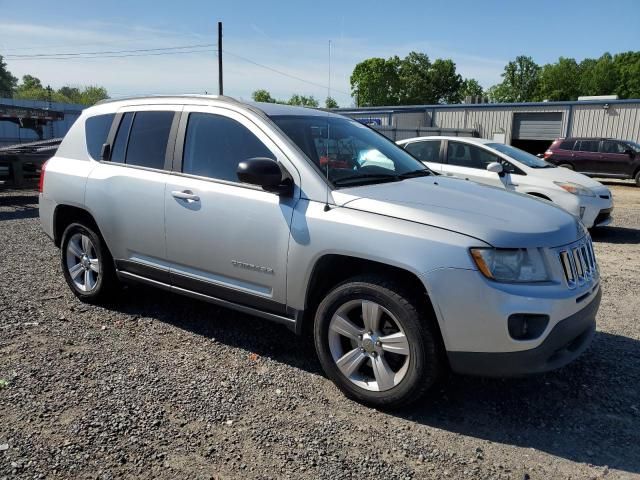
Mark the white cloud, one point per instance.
(305, 58)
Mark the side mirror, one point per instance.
(630, 152)
(266, 173)
(494, 167)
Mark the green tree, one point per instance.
(445, 81)
(30, 88)
(263, 95)
(414, 78)
(520, 82)
(627, 67)
(470, 88)
(302, 101)
(559, 81)
(375, 81)
(598, 77)
(92, 94)
(330, 103)
(7, 81)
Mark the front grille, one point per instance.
(578, 263)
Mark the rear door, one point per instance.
(428, 152)
(586, 156)
(125, 192)
(226, 239)
(469, 162)
(614, 158)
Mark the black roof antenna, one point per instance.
(326, 202)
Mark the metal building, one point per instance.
(12, 132)
(530, 126)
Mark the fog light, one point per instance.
(582, 209)
(527, 326)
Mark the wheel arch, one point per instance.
(65, 215)
(539, 195)
(332, 269)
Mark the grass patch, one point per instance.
(3, 383)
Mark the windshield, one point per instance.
(347, 152)
(635, 146)
(521, 156)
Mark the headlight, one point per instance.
(511, 264)
(575, 188)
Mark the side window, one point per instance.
(587, 145)
(428, 151)
(567, 145)
(119, 149)
(609, 146)
(96, 130)
(148, 139)
(215, 145)
(470, 156)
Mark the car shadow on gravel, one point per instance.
(620, 235)
(587, 412)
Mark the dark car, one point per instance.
(597, 157)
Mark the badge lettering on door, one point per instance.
(251, 266)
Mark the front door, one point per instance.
(615, 158)
(428, 152)
(226, 239)
(469, 162)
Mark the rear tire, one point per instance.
(566, 165)
(637, 178)
(374, 342)
(87, 264)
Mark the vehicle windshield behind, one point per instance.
(521, 156)
(635, 146)
(347, 152)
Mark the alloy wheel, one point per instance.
(82, 262)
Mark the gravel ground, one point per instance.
(158, 386)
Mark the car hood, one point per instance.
(500, 218)
(560, 174)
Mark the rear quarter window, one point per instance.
(96, 129)
(567, 145)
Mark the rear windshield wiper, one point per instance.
(365, 178)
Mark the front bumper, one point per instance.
(566, 341)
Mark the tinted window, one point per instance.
(470, 156)
(587, 145)
(609, 146)
(425, 151)
(520, 155)
(96, 131)
(148, 139)
(120, 144)
(214, 145)
(567, 145)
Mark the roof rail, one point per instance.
(186, 95)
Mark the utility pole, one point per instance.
(220, 88)
(49, 106)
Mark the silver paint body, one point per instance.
(266, 246)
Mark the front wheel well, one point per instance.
(331, 270)
(65, 215)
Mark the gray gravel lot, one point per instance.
(159, 386)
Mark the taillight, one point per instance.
(548, 153)
(41, 182)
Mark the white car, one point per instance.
(493, 163)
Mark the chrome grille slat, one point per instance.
(578, 262)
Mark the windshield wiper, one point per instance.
(366, 178)
(423, 172)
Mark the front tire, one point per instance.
(566, 165)
(374, 342)
(87, 264)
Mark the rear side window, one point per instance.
(425, 151)
(96, 130)
(148, 139)
(567, 145)
(215, 145)
(587, 145)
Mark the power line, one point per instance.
(108, 52)
(118, 56)
(282, 73)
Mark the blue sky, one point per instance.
(293, 37)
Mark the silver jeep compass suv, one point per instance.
(317, 222)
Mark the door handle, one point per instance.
(187, 195)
